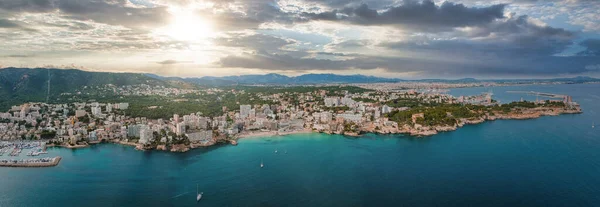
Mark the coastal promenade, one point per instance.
(40, 162)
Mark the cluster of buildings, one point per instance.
(293, 111)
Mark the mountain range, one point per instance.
(277, 79)
(18, 85)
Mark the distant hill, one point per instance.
(18, 85)
(277, 79)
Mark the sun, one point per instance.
(185, 25)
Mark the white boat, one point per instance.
(198, 195)
(261, 164)
(593, 125)
(275, 150)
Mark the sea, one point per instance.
(550, 161)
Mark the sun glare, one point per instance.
(187, 26)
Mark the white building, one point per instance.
(145, 135)
(386, 109)
(332, 101)
(356, 118)
(202, 136)
(80, 113)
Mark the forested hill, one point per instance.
(18, 85)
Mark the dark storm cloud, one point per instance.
(547, 65)
(514, 37)
(422, 15)
(592, 47)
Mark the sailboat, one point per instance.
(261, 164)
(198, 195)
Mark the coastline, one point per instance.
(406, 129)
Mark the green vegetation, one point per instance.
(366, 100)
(448, 114)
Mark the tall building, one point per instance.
(180, 130)
(108, 108)
(145, 135)
(245, 111)
(133, 130)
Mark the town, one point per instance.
(346, 110)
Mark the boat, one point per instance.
(275, 150)
(261, 164)
(593, 125)
(198, 195)
(285, 152)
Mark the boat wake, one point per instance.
(179, 195)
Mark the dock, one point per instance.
(550, 95)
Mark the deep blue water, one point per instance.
(551, 161)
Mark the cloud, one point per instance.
(8, 24)
(592, 47)
(172, 62)
(113, 12)
(512, 37)
(27, 5)
(254, 41)
(593, 67)
(424, 15)
(19, 56)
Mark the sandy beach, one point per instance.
(260, 134)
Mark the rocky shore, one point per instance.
(418, 130)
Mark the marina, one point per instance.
(14, 149)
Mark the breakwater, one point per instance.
(37, 162)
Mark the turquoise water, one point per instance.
(551, 161)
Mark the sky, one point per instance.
(409, 39)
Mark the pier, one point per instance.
(38, 162)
